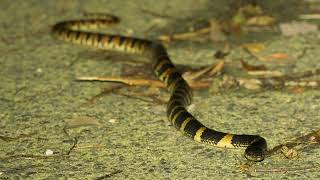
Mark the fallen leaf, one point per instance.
(216, 33)
(81, 121)
(289, 153)
(251, 84)
(254, 47)
(217, 68)
(249, 67)
(260, 21)
(266, 73)
(294, 28)
(251, 9)
(315, 138)
(279, 56)
(309, 16)
(297, 90)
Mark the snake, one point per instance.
(82, 32)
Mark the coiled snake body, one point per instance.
(73, 31)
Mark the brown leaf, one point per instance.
(254, 47)
(81, 121)
(260, 21)
(266, 73)
(216, 33)
(251, 84)
(294, 28)
(218, 67)
(279, 56)
(289, 153)
(297, 90)
(249, 67)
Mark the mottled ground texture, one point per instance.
(127, 138)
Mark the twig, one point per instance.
(309, 16)
(139, 82)
(184, 36)
(74, 145)
(104, 92)
(251, 171)
(314, 136)
(108, 175)
(212, 69)
(136, 97)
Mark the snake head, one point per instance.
(257, 150)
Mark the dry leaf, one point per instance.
(254, 47)
(260, 21)
(217, 68)
(279, 56)
(251, 84)
(251, 9)
(315, 138)
(211, 70)
(266, 73)
(289, 153)
(297, 90)
(312, 84)
(216, 33)
(81, 121)
(309, 16)
(249, 67)
(229, 82)
(294, 28)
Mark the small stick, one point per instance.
(212, 69)
(139, 82)
(184, 36)
(309, 16)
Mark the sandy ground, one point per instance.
(133, 139)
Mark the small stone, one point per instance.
(48, 152)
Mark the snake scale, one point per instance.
(77, 32)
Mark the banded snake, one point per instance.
(75, 32)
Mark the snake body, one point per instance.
(76, 32)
